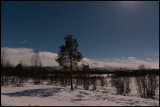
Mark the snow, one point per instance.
(51, 95)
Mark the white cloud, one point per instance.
(15, 55)
(130, 62)
(131, 57)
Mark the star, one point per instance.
(42, 17)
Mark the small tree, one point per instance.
(19, 70)
(68, 56)
(85, 70)
(102, 81)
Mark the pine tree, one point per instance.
(68, 56)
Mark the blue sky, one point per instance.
(103, 29)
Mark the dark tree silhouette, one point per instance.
(68, 56)
(20, 75)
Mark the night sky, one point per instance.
(104, 29)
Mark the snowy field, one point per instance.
(51, 95)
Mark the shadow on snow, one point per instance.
(35, 92)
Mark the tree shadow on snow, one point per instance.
(35, 92)
(81, 96)
(125, 100)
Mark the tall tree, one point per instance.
(35, 60)
(68, 56)
(3, 56)
(36, 64)
(3, 63)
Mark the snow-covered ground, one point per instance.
(51, 95)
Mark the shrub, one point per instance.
(121, 83)
(102, 81)
(146, 85)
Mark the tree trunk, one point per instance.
(71, 53)
(71, 73)
(71, 83)
(71, 70)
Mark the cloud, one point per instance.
(23, 41)
(149, 59)
(133, 63)
(15, 55)
(131, 57)
(130, 62)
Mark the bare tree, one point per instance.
(35, 61)
(103, 82)
(95, 65)
(36, 64)
(3, 56)
(3, 61)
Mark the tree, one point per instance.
(68, 56)
(85, 69)
(36, 63)
(19, 79)
(3, 56)
(3, 61)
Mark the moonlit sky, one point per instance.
(104, 29)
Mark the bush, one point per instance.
(146, 82)
(146, 85)
(121, 84)
(102, 81)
